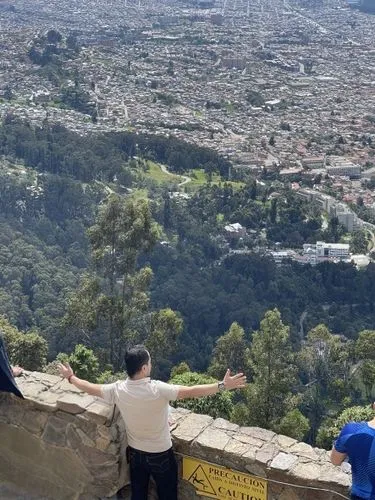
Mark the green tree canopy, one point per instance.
(217, 405)
(270, 394)
(28, 350)
(231, 351)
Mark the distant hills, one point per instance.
(364, 5)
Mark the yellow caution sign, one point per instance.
(214, 481)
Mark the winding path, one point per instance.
(185, 177)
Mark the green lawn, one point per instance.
(155, 173)
(199, 178)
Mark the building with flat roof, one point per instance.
(322, 251)
(334, 250)
(313, 162)
(343, 167)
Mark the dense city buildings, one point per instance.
(280, 86)
(248, 78)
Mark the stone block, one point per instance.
(46, 401)
(284, 461)
(334, 476)
(107, 440)
(308, 473)
(266, 454)
(63, 386)
(304, 450)
(84, 423)
(284, 442)
(100, 412)
(96, 458)
(191, 427)
(34, 421)
(225, 425)
(245, 438)
(232, 456)
(235, 447)
(55, 431)
(74, 403)
(72, 437)
(179, 413)
(212, 438)
(258, 433)
(32, 390)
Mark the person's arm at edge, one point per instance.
(85, 386)
(197, 391)
(16, 370)
(339, 449)
(337, 458)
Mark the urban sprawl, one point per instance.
(276, 85)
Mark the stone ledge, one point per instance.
(263, 453)
(61, 440)
(73, 445)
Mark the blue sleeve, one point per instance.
(347, 431)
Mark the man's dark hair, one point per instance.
(135, 358)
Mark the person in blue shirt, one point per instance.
(357, 443)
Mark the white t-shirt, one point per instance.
(144, 406)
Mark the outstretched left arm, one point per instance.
(229, 383)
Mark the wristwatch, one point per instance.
(221, 386)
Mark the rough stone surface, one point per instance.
(258, 433)
(74, 403)
(99, 412)
(284, 461)
(50, 443)
(188, 430)
(72, 446)
(285, 442)
(212, 438)
(221, 423)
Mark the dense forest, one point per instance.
(89, 264)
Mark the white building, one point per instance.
(345, 216)
(235, 230)
(322, 251)
(332, 250)
(343, 167)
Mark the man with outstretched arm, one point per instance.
(144, 404)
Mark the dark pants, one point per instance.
(161, 466)
(354, 497)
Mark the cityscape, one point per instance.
(187, 208)
(275, 84)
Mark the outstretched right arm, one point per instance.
(85, 386)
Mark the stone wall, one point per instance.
(62, 444)
(260, 452)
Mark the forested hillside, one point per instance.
(95, 255)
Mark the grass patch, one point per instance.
(155, 173)
(199, 178)
(140, 194)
